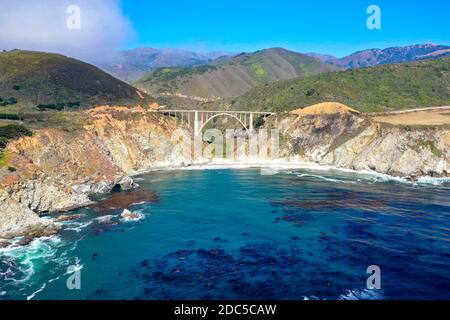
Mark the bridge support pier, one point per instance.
(196, 124)
(251, 123)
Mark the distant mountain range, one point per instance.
(376, 57)
(275, 78)
(132, 64)
(233, 76)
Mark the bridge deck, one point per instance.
(215, 111)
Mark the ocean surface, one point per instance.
(245, 234)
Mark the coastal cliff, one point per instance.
(57, 170)
(351, 141)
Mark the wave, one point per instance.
(76, 226)
(105, 219)
(274, 166)
(365, 294)
(305, 175)
(44, 285)
(20, 260)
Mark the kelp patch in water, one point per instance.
(125, 199)
(255, 271)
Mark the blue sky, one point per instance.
(327, 26)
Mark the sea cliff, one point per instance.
(351, 141)
(57, 170)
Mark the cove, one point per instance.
(238, 234)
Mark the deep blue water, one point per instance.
(237, 234)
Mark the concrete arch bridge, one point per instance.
(198, 119)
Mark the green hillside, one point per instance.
(398, 86)
(231, 77)
(33, 81)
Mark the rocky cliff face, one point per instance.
(349, 141)
(58, 170)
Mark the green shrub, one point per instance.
(3, 143)
(58, 106)
(9, 101)
(13, 131)
(10, 116)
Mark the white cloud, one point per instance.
(42, 25)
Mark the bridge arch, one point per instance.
(219, 115)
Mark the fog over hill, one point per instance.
(130, 65)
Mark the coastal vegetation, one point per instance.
(7, 133)
(6, 102)
(31, 81)
(58, 106)
(382, 88)
(427, 144)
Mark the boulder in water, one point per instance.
(4, 244)
(131, 216)
(66, 217)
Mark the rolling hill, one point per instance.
(130, 65)
(376, 57)
(29, 79)
(231, 77)
(396, 86)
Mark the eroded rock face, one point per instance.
(353, 142)
(57, 170)
(16, 219)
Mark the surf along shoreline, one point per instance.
(59, 171)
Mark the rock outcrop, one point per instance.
(57, 170)
(347, 140)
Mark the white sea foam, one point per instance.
(105, 219)
(283, 164)
(305, 175)
(286, 166)
(37, 291)
(77, 268)
(365, 294)
(77, 226)
(23, 258)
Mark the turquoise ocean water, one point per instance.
(240, 234)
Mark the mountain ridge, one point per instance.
(232, 77)
(31, 78)
(374, 57)
(382, 88)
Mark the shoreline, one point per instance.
(268, 167)
(285, 164)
